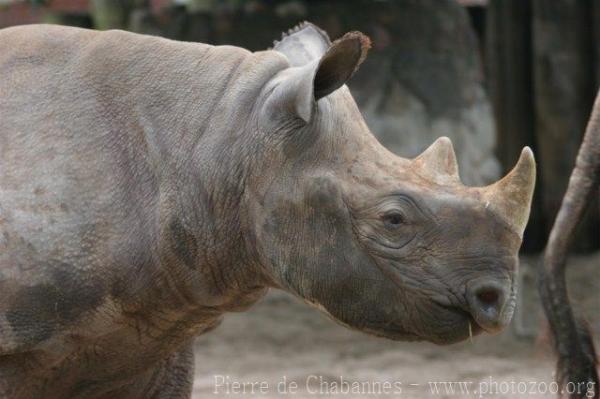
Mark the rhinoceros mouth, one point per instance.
(468, 322)
(461, 328)
(473, 326)
(463, 323)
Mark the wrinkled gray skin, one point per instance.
(148, 186)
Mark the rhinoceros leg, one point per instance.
(172, 378)
(176, 377)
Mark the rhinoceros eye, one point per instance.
(393, 220)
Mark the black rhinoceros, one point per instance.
(148, 187)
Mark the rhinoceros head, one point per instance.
(390, 246)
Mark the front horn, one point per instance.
(510, 197)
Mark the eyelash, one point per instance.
(393, 219)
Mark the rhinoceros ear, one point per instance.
(320, 77)
(339, 63)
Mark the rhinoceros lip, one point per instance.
(476, 328)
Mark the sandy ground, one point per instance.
(282, 342)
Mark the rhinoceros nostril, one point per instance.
(488, 296)
(487, 299)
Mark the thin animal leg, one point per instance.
(573, 342)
